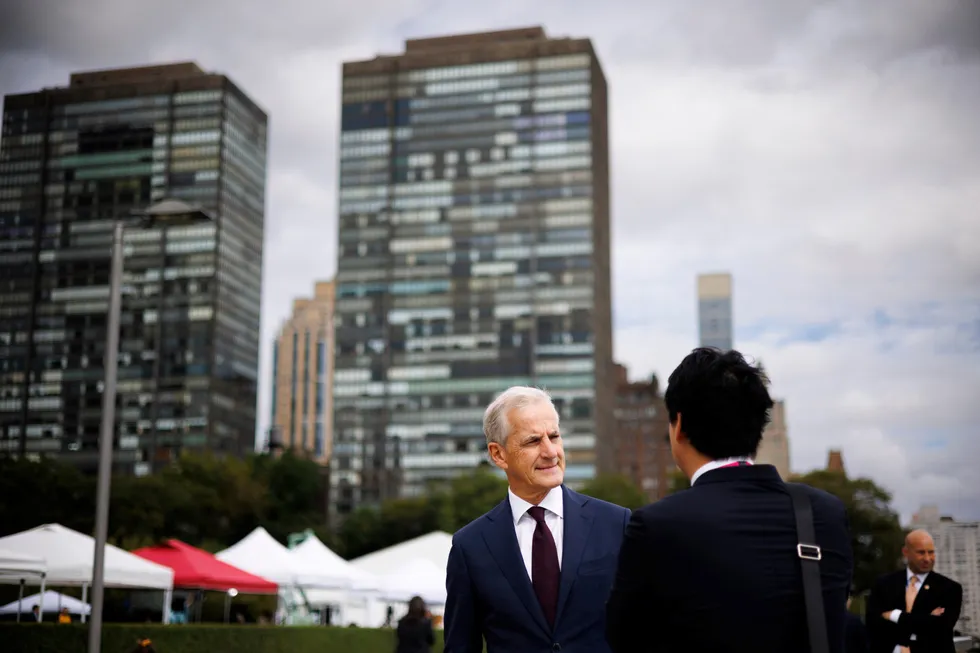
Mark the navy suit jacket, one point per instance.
(490, 595)
(715, 568)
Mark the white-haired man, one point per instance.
(533, 574)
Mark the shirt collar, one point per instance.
(553, 502)
(715, 464)
(909, 574)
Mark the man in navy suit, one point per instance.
(533, 574)
(715, 567)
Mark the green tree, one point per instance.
(370, 529)
(616, 488)
(472, 495)
(295, 497)
(677, 481)
(876, 533)
(44, 492)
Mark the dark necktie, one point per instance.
(545, 573)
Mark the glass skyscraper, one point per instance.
(715, 311)
(73, 161)
(473, 255)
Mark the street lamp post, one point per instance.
(105, 439)
(165, 212)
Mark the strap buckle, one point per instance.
(809, 552)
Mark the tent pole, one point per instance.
(20, 599)
(40, 611)
(84, 598)
(168, 598)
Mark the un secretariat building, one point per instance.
(473, 255)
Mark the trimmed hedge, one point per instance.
(217, 638)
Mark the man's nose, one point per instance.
(548, 448)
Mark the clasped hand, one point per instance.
(935, 613)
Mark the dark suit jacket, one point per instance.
(932, 634)
(490, 595)
(414, 636)
(715, 568)
(855, 635)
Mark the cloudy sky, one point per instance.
(827, 153)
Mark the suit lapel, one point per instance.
(578, 525)
(501, 539)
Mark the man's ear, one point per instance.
(497, 455)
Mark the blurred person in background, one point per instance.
(914, 610)
(414, 631)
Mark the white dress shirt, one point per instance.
(895, 614)
(524, 524)
(715, 464)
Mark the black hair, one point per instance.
(724, 401)
(416, 609)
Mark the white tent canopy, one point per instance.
(52, 602)
(433, 547)
(259, 553)
(15, 565)
(69, 556)
(314, 554)
(418, 577)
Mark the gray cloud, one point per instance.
(825, 152)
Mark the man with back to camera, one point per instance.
(533, 574)
(914, 610)
(715, 567)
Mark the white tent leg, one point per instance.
(84, 598)
(20, 599)
(40, 612)
(168, 597)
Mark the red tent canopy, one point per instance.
(201, 570)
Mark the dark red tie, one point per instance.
(545, 573)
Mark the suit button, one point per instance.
(556, 646)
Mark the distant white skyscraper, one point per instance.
(774, 448)
(957, 556)
(715, 310)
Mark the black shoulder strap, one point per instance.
(810, 555)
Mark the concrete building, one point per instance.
(774, 448)
(957, 556)
(715, 311)
(640, 442)
(75, 160)
(302, 368)
(473, 255)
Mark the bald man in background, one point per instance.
(914, 610)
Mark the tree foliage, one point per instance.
(677, 481)
(617, 489)
(448, 507)
(203, 499)
(876, 533)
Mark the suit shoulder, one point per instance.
(474, 529)
(944, 580)
(821, 499)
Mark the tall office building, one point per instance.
(774, 447)
(473, 255)
(75, 160)
(302, 368)
(958, 557)
(715, 311)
